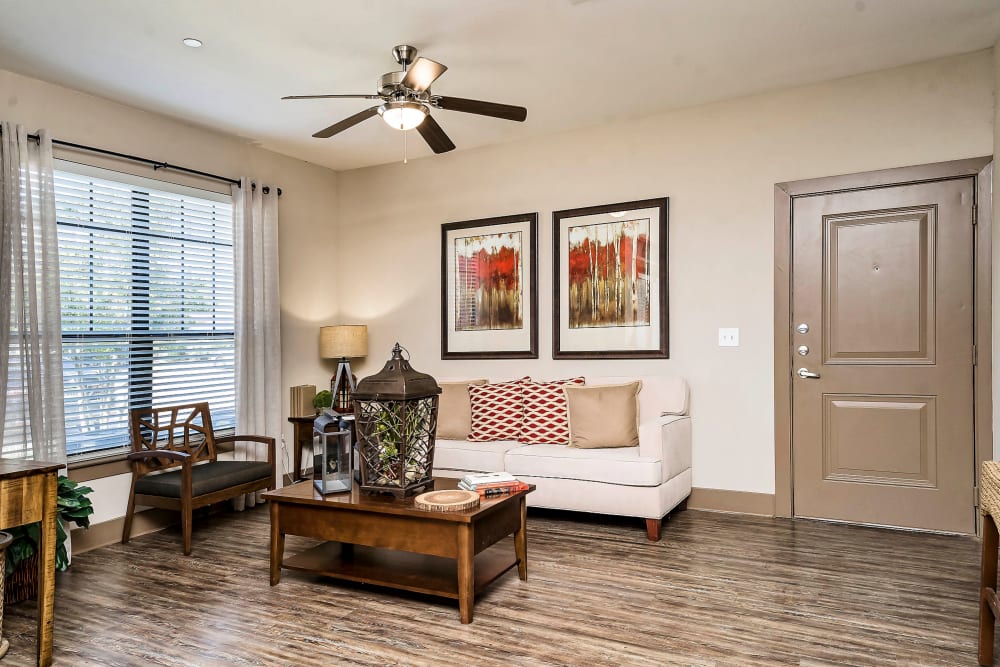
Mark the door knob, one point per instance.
(806, 374)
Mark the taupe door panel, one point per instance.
(875, 261)
(884, 279)
(880, 439)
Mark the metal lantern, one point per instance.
(395, 414)
(332, 447)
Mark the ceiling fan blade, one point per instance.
(435, 136)
(505, 111)
(324, 97)
(422, 73)
(350, 121)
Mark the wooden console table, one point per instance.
(28, 492)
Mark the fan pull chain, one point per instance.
(404, 144)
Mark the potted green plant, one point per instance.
(21, 566)
(323, 399)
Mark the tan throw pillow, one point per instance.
(455, 409)
(603, 416)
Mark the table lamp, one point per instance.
(343, 341)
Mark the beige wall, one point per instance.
(307, 211)
(718, 164)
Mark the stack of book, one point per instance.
(488, 484)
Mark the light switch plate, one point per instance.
(729, 337)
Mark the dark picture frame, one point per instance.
(629, 319)
(500, 322)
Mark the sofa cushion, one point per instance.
(455, 410)
(205, 478)
(604, 416)
(497, 411)
(545, 416)
(621, 465)
(468, 455)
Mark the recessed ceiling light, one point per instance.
(617, 214)
(192, 42)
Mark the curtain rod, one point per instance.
(156, 164)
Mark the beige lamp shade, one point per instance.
(343, 340)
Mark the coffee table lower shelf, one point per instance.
(419, 573)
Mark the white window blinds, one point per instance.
(146, 274)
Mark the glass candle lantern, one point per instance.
(395, 414)
(332, 447)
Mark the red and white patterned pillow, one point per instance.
(497, 411)
(546, 417)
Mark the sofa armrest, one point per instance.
(667, 439)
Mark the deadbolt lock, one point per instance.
(803, 350)
(802, 328)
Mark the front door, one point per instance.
(882, 356)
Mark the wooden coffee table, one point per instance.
(382, 540)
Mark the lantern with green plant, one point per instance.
(395, 413)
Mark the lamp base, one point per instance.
(342, 386)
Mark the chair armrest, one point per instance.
(154, 460)
(262, 439)
(167, 454)
(667, 439)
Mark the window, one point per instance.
(146, 275)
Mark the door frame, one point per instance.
(784, 196)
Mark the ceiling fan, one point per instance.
(406, 101)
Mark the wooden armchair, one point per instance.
(175, 464)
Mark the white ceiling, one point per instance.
(572, 63)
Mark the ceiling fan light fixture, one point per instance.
(403, 115)
(405, 101)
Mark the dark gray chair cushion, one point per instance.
(205, 478)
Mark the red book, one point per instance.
(500, 485)
(500, 488)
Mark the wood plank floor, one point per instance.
(718, 590)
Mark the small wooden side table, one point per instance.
(302, 435)
(28, 493)
(989, 604)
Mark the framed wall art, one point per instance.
(610, 281)
(489, 298)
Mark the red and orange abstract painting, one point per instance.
(488, 282)
(609, 274)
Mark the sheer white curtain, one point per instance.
(31, 412)
(258, 338)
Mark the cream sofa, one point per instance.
(647, 481)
